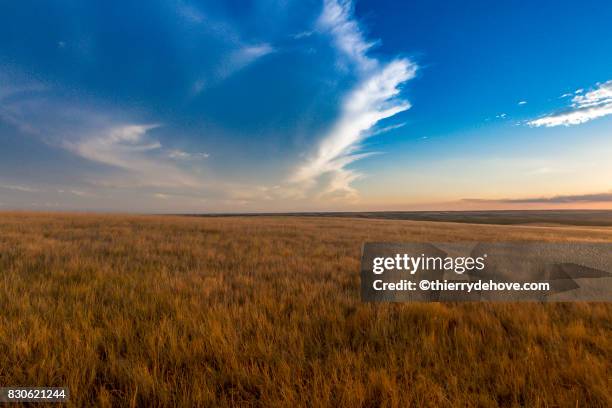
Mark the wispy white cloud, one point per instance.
(337, 18)
(243, 57)
(46, 190)
(239, 52)
(253, 52)
(137, 162)
(182, 155)
(92, 134)
(128, 147)
(80, 193)
(22, 188)
(522, 103)
(16, 95)
(385, 129)
(587, 106)
(236, 60)
(189, 12)
(374, 98)
(303, 34)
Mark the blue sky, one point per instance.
(214, 106)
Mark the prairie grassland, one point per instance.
(176, 311)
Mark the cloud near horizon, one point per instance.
(605, 197)
(375, 97)
(127, 147)
(585, 107)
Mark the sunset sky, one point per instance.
(240, 106)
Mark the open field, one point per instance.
(265, 311)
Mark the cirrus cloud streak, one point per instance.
(585, 107)
(375, 97)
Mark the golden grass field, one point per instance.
(265, 311)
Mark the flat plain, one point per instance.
(130, 310)
(596, 218)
